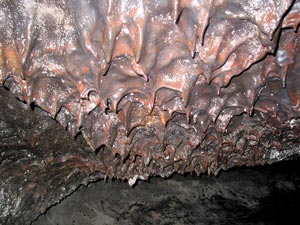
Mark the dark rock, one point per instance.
(153, 87)
(40, 162)
(246, 196)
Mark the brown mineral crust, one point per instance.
(111, 68)
(160, 86)
(154, 87)
(292, 20)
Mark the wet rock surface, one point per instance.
(41, 164)
(256, 195)
(148, 88)
(157, 87)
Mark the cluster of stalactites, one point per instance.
(111, 68)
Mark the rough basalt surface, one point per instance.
(40, 163)
(154, 87)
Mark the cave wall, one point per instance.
(153, 88)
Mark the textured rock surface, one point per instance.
(246, 196)
(40, 162)
(160, 86)
(154, 87)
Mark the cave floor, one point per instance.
(260, 195)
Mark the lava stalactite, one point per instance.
(158, 84)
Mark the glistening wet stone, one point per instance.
(148, 88)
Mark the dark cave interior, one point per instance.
(149, 112)
(267, 194)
